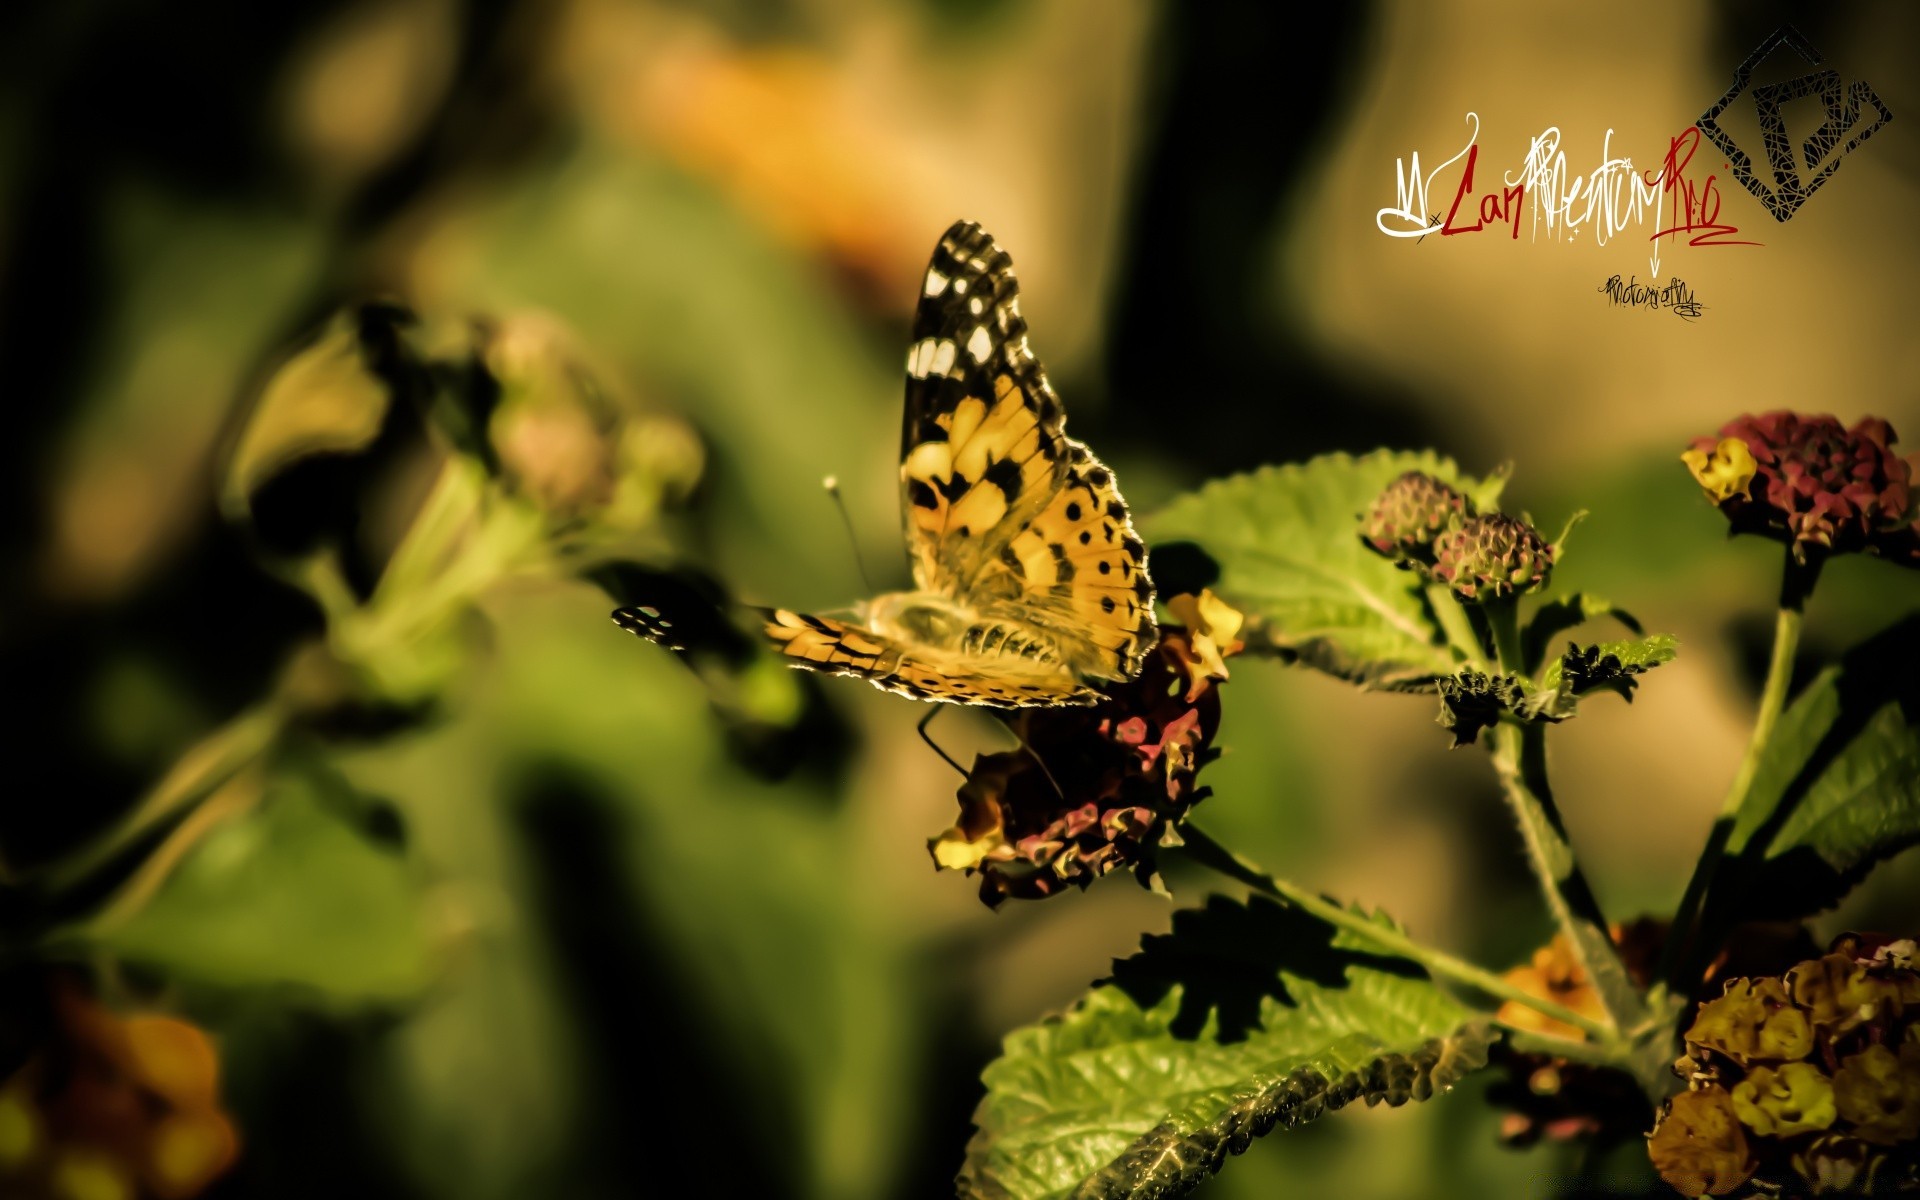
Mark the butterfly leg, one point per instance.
(1037, 760)
(921, 729)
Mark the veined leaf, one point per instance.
(1838, 786)
(1287, 542)
(1610, 665)
(1148, 1083)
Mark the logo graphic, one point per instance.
(1790, 189)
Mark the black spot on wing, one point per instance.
(1004, 473)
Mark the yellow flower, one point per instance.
(1797, 1098)
(1754, 1018)
(1726, 471)
(1698, 1146)
(1879, 1092)
(1213, 630)
(1554, 974)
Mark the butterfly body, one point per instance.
(1031, 587)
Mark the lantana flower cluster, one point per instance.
(1808, 1082)
(1101, 788)
(125, 1107)
(1813, 483)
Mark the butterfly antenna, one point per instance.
(832, 484)
(926, 737)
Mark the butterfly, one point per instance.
(1030, 584)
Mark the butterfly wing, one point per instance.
(1002, 509)
(922, 672)
(840, 647)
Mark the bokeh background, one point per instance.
(559, 932)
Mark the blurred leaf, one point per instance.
(656, 272)
(324, 399)
(288, 893)
(1555, 617)
(756, 903)
(1838, 786)
(1136, 1091)
(1287, 543)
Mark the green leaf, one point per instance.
(1555, 617)
(1286, 541)
(325, 399)
(1474, 700)
(290, 892)
(1608, 665)
(1837, 789)
(1148, 1083)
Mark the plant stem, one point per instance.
(215, 760)
(1520, 760)
(1203, 849)
(1796, 583)
(1453, 621)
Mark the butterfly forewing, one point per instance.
(1002, 508)
(981, 447)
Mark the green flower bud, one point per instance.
(1878, 1092)
(1493, 556)
(1797, 1098)
(1410, 514)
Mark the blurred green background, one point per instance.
(557, 933)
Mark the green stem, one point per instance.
(1203, 849)
(1452, 616)
(1520, 760)
(211, 762)
(1796, 584)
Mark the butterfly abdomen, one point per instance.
(1001, 639)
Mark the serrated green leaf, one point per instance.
(1555, 617)
(1838, 786)
(1286, 540)
(1584, 669)
(1123, 1097)
(1474, 700)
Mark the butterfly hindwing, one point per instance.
(1082, 572)
(843, 648)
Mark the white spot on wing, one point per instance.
(959, 287)
(942, 357)
(920, 357)
(974, 306)
(979, 344)
(936, 283)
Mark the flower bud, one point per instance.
(1410, 514)
(1492, 557)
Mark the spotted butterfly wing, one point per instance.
(1031, 586)
(1002, 508)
